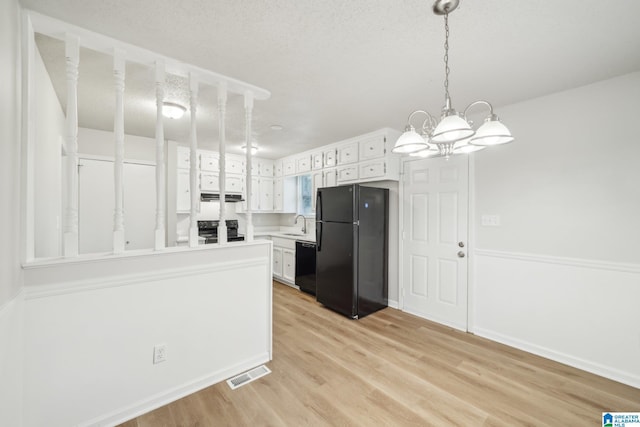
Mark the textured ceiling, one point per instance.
(339, 68)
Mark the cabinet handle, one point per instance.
(370, 148)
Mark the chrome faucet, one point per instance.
(304, 223)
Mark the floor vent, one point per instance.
(247, 377)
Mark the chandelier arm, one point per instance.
(479, 102)
(430, 119)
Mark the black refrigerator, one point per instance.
(352, 249)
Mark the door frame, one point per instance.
(471, 214)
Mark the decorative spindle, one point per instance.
(248, 109)
(118, 164)
(222, 110)
(160, 166)
(72, 54)
(193, 171)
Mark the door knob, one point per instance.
(461, 244)
(460, 254)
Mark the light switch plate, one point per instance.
(491, 220)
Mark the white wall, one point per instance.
(10, 218)
(49, 123)
(90, 329)
(561, 275)
(102, 143)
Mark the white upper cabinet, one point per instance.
(209, 162)
(348, 153)
(330, 158)
(303, 163)
(278, 170)
(316, 161)
(289, 166)
(234, 165)
(330, 177)
(372, 148)
(209, 181)
(266, 168)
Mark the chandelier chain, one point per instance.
(446, 56)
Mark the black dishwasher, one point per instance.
(306, 266)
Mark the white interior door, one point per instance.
(96, 205)
(434, 262)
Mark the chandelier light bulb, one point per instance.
(492, 132)
(451, 128)
(410, 142)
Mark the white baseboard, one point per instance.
(393, 303)
(585, 365)
(153, 402)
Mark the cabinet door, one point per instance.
(266, 194)
(277, 262)
(255, 194)
(330, 178)
(255, 168)
(234, 166)
(348, 153)
(209, 181)
(209, 162)
(183, 193)
(183, 158)
(303, 163)
(289, 265)
(278, 170)
(289, 166)
(372, 148)
(347, 173)
(372, 170)
(317, 161)
(278, 194)
(266, 169)
(233, 184)
(330, 158)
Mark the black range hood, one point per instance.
(213, 197)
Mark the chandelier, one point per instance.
(453, 133)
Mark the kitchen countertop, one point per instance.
(286, 235)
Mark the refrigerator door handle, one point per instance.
(318, 236)
(319, 205)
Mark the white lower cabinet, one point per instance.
(289, 265)
(277, 263)
(284, 260)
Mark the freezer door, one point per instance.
(336, 204)
(335, 267)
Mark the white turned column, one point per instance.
(72, 54)
(222, 110)
(193, 169)
(248, 110)
(160, 163)
(118, 164)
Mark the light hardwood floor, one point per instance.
(394, 369)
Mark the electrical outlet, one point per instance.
(159, 353)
